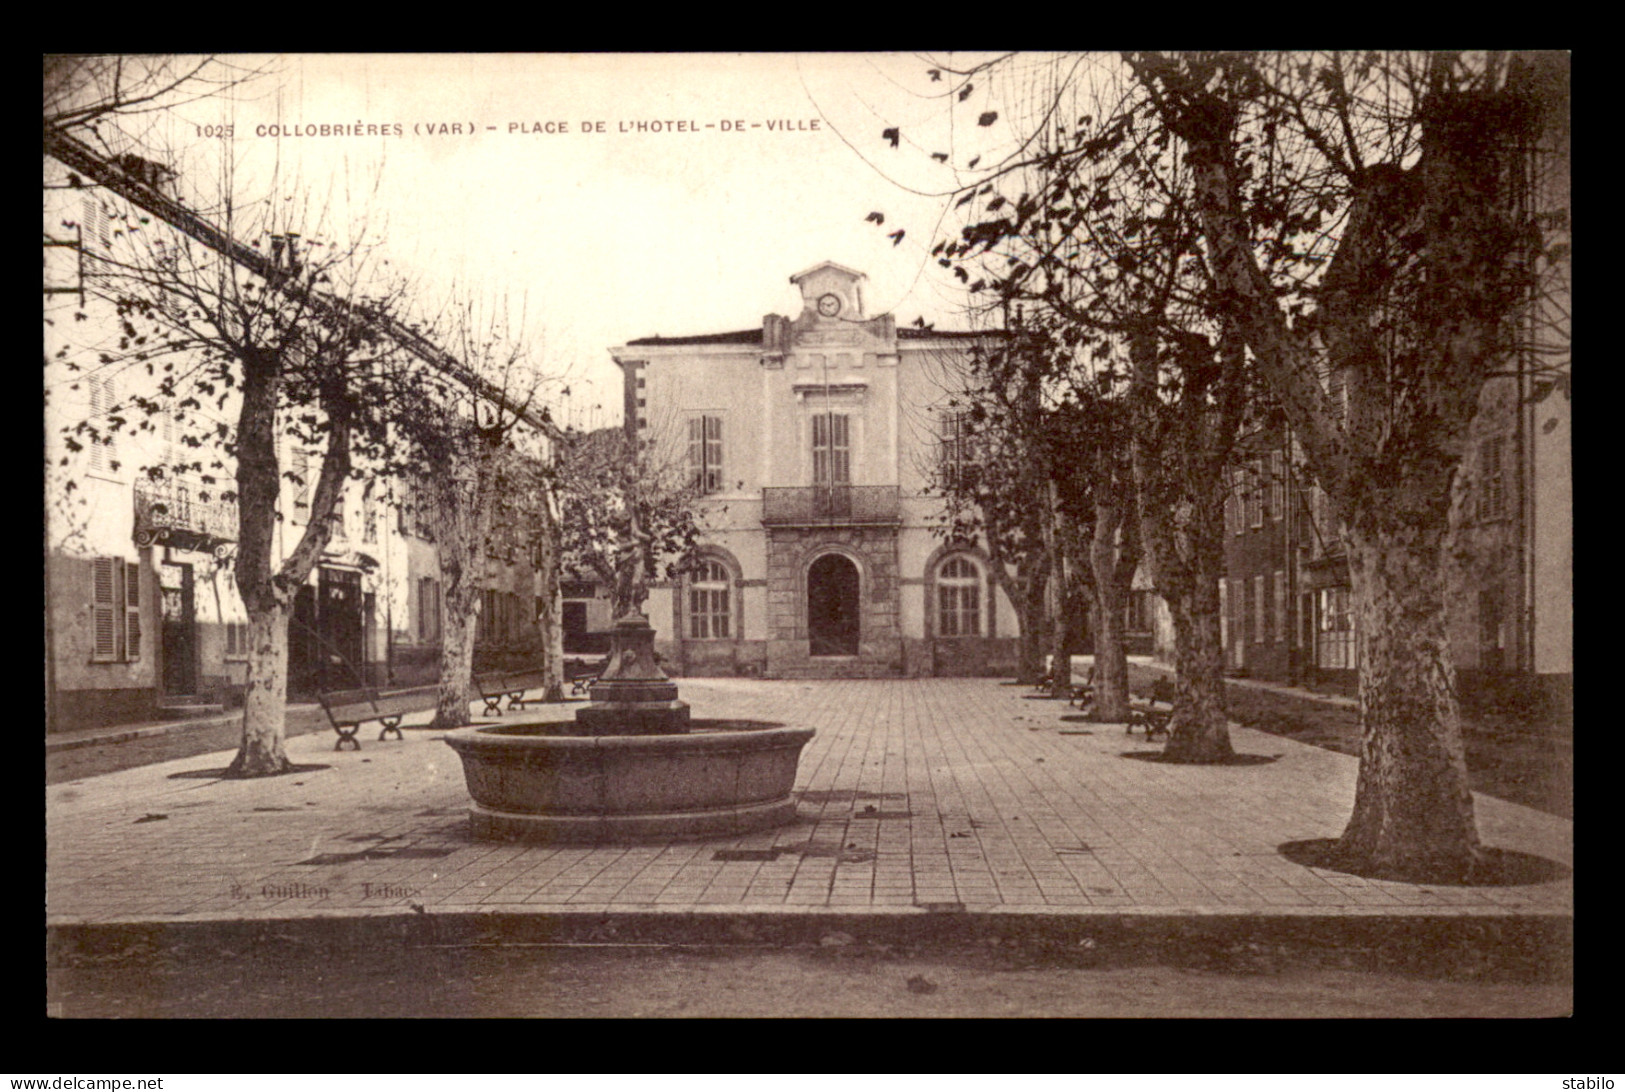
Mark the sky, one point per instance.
(598, 232)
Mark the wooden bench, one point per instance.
(513, 685)
(1084, 691)
(581, 674)
(1153, 720)
(348, 710)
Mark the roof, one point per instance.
(732, 337)
(853, 273)
(754, 337)
(917, 333)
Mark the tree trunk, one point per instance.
(1110, 553)
(1199, 731)
(1031, 639)
(462, 509)
(1111, 657)
(265, 701)
(1413, 812)
(1060, 669)
(456, 689)
(548, 617)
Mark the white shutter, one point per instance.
(301, 493)
(696, 451)
(104, 609)
(1259, 634)
(1280, 605)
(98, 406)
(820, 439)
(840, 453)
(713, 454)
(132, 610)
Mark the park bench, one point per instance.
(348, 710)
(1080, 692)
(582, 673)
(513, 685)
(1153, 720)
(1084, 693)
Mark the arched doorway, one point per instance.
(832, 606)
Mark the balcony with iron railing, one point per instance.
(816, 505)
(189, 515)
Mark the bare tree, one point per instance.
(1403, 171)
(245, 364)
(475, 460)
(628, 511)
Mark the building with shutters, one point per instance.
(1287, 605)
(814, 440)
(143, 620)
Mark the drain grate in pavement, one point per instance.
(344, 858)
(942, 907)
(846, 854)
(745, 855)
(876, 813)
(404, 853)
(276, 809)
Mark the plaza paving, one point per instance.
(916, 796)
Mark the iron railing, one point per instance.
(174, 511)
(821, 504)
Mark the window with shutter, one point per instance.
(1492, 482)
(1255, 497)
(832, 453)
(957, 446)
(1280, 606)
(301, 488)
(132, 611)
(705, 453)
(1259, 635)
(1277, 486)
(103, 400)
(104, 610)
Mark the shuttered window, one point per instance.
(1280, 606)
(1492, 497)
(115, 610)
(1259, 634)
(301, 487)
(103, 400)
(957, 453)
(705, 453)
(132, 611)
(832, 451)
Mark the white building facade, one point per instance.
(815, 441)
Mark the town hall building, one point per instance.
(815, 441)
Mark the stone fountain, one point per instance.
(632, 766)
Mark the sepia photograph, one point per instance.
(867, 535)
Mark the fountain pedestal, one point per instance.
(633, 697)
(631, 767)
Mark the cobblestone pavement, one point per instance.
(929, 793)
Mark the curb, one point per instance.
(1524, 946)
(312, 714)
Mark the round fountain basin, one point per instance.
(532, 782)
